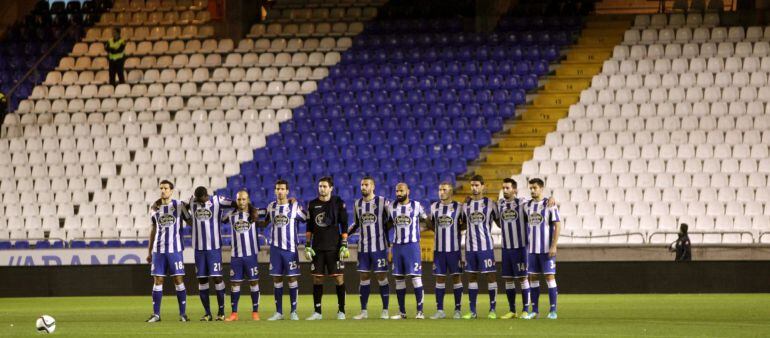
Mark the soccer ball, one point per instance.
(45, 324)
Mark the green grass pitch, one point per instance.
(712, 315)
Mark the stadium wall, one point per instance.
(573, 277)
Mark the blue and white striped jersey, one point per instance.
(406, 221)
(371, 217)
(480, 215)
(446, 225)
(283, 219)
(206, 221)
(513, 216)
(167, 221)
(541, 221)
(245, 239)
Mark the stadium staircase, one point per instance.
(516, 143)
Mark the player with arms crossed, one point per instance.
(407, 217)
(447, 223)
(371, 216)
(327, 244)
(283, 216)
(243, 261)
(544, 228)
(480, 212)
(165, 250)
(513, 217)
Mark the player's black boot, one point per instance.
(183, 318)
(206, 318)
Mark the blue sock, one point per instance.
(181, 297)
(278, 292)
(525, 295)
(473, 292)
(492, 289)
(254, 298)
(385, 294)
(203, 292)
(440, 290)
(418, 292)
(534, 291)
(235, 295)
(458, 291)
(363, 291)
(293, 291)
(220, 298)
(157, 296)
(510, 293)
(401, 295)
(552, 294)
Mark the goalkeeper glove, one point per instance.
(309, 253)
(344, 252)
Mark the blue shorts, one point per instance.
(541, 263)
(208, 263)
(167, 264)
(480, 261)
(407, 260)
(515, 262)
(283, 262)
(447, 263)
(376, 261)
(241, 267)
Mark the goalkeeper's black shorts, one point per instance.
(327, 263)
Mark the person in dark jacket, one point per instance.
(682, 245)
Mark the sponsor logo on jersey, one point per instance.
(445, 221)
(477, 218)
(320, 220)
(510, 215)
(535, 219)
(368, 218)
(281, 220)
(403, 220)
(166, 220)
(241, 226)
(202, 214)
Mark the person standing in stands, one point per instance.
(682, 245)
(115, 47)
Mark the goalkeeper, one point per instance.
(327, 244)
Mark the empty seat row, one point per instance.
(151, 33)
(96, 119)
(161, 103)
(320, 29)
(693, 154)
(665, 109)
(157, 5)
(298, 59)
(683, 65)
(322, 14)
(701, 34)
(691, 50)
(685, 80)
(676, 95)
(155, 18)
(574, 192)
(660, 137)
(676, 20)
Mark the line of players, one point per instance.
(530, 231)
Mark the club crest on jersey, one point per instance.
(202, 213)
(320, 220)
(477, 218)
(166, 220)
(510, 215)
(281, 220)
(241, 226)
(445, 221)
(368, 218)
(403, 221)
(535, 219)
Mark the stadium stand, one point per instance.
(673, 130)
(85, 157)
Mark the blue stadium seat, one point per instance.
(78, 244)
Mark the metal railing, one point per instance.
(721, 233)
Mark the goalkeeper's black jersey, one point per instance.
(327, 222)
